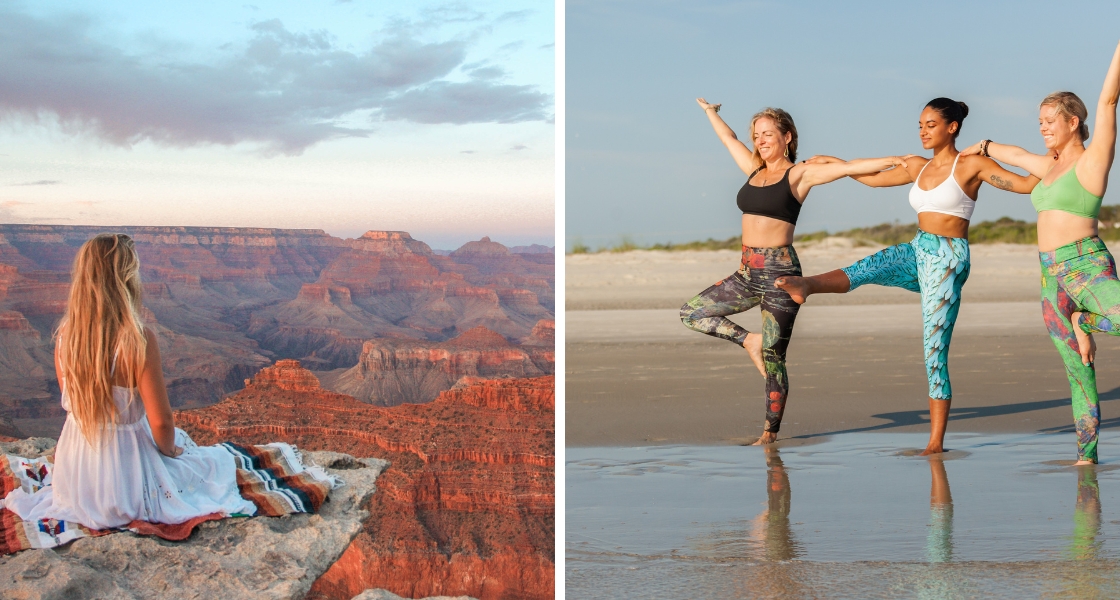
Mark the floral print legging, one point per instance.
(1080, 277)
(753, 285)
(936, 267)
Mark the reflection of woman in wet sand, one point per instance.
(770, 200)
(939, 544)
(777, 537)
(1086, 517)
(772, 534)
(1079, 283)
(936, 263)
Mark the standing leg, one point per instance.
(779, 312)
(943, 267)
(1057, 306)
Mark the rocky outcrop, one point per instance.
(394, 371)
(467, 506)
(387, 595)
(261, 557)
(225, 301)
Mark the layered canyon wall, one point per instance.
(467, 504)
(225, 302)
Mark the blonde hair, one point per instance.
(1069, 105)
(101, 325)
(785, 125)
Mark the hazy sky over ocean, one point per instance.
(643, 161)
(430, 117)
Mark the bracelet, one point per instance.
(984, 148)
(714, 107)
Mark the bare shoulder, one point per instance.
(974, 163)
(914, 165)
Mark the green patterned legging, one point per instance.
(753, 285)
(1080, 277)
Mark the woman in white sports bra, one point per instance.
(936, 262)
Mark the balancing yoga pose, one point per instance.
(936, 262)
(770, 200)
(119, 457)
(1080, 290)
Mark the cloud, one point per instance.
(468, 102)
(283, 90)
(40, 182)
(520, 147)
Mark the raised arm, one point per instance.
(1035, 164)
(153, 392)
(1094, 165)
(739, 151)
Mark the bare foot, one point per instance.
(1082, 463)
(767, 438)
(796, 287)
(753, 344)
(932, 448)
(1085, 342)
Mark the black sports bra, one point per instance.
(775, 201)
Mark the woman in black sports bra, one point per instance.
(771, 201)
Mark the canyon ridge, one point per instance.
(381, 317)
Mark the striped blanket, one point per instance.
(271, 476)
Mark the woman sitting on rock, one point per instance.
(119, 457)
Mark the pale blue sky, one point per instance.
(430, 117)
(642, 159)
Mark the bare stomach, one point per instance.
(943, 225)
(764, 232)
(1057, 228)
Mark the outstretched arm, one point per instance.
(1094, 165)
(1035, 164)
(153, 393)
(991, 173)
(739, 151)
(817, 173)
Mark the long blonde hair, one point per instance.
(101, 324)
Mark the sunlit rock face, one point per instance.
(225, 302)
(393, 371)
(467, 506)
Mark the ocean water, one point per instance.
(852, 516)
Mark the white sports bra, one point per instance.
(947, 198)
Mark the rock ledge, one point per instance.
(259, 557)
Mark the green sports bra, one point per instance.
(1066, 194)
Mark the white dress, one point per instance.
(126, 477)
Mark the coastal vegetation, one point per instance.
(1004, 230)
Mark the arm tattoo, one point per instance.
(1000, 182)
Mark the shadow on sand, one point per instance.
(906, 418)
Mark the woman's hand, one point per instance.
(973, 149)
(704, 105)
(175, 452)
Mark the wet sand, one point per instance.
(636, 376)
(851, 516)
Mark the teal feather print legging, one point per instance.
(1080, 277)
(753, 285)
(936, 267)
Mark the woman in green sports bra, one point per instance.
(1079, 282)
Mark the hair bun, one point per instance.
(964, 109)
